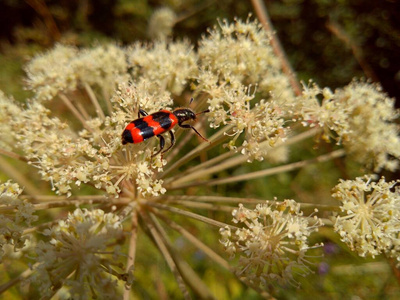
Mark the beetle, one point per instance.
(155, 124)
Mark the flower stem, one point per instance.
(188, 274)
(262, 173)
(75, 112)
(13, 155)
(132, 248)
(24, 275)
(216, 139)
(195, 241)
(15, 173)
(188, 214)
(159, 241)
(263, 16)
(237, 160)
(95, 102)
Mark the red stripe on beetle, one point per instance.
(173, 119)
(136, 135)
(157, 129)
(158, 123)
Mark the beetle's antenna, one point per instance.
(191, 100)
(203, 112)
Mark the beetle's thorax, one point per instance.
(184, 114)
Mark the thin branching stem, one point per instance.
(23, 276)
(214, 199)
(15, 174)
(188, 214)
(202, 205)
(198, 171)
(83, 110)
(158, 240)
(13, 155)
(188, 274)
(107, 99)
(95, 102)
(216, 139)
(263, 16)
(195, 241)
(83, 198)
(132, 248)
(74, 111)
(262, 173)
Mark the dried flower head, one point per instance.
(79, 256)
(272, 243)
(16, 216)
(370, 223)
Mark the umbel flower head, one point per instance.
(370, 222)
(361, 117)
(273, 242)
(69, 154)
(79, 256)
(16, 215)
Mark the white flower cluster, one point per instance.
(236, 58)
(78, 257)
(370, 223)
(16, 215)
(93, 155)
(241, 53)
(64, 68)
(272, 243)
(164, 66)
(238, 67)
(262, 121)
(362, 118)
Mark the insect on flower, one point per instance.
(155, 124)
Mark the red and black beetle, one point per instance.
(147, 126)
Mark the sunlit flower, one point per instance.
(64, 68)
(79, 256)
(164, 66)
(273, 242)
(370, 222)
(94, 155)
(362, 118)
(52, 72)
(241, 53)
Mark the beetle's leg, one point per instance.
(162, 144)
(142, 113)
(171, 134)
(190, 126)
